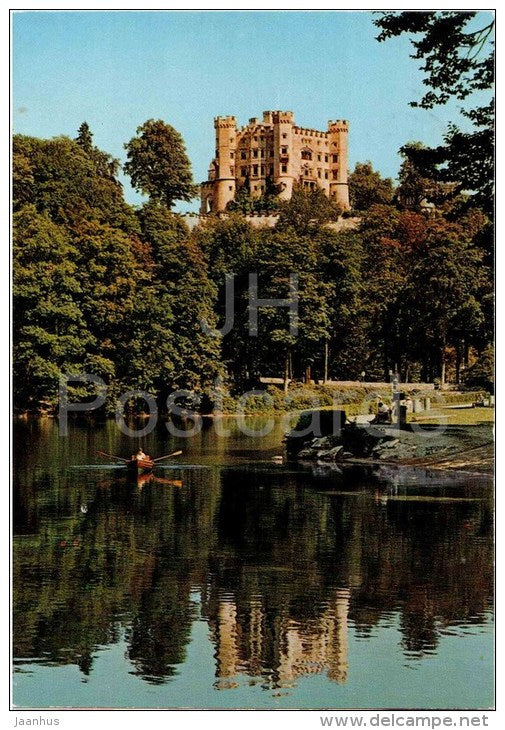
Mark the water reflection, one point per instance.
(285, 563)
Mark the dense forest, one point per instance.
(133, 295)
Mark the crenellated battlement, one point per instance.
(280, 117)
(339, 125)
(225, 122)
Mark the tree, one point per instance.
(70, 185)
(78, 265)
(85, 138)
(50, 332)
(158, 164)
(441, 299)
(244, 202)
(340, 265)
(457, 52)
(230, 247)
(105, 165)
(416, 186)
(367, 187)
(182, 352)
(280, 254)
(306, 210)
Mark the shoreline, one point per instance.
(468, 449)
(449, 465)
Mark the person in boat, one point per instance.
(140, 456)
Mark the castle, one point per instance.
(275, 151)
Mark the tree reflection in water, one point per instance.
(286, 564)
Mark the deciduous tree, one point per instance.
(158, 165)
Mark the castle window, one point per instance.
(325, 175)
(230, 187)
(243, 171)
(284, 168)
(326, 158)
(270, 169)
(319, 157)
(319, 173)
(243, 155)
(335, 174)
(262, 153)
(255, 170)
(232, 170)
(335, 158)
(231, 155)
(255, 187)
(262, 169)
(306, 155)
(255, 153)
(284, 135)
(271, 153)
(284, 150)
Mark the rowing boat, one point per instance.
(139, 466)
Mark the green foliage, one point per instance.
(60, 178)
(98, 288)
(417, 185)
(50, 331)
(185, 300)
(306, 211)
(450, 47)
(367, 187)
(248, 204)
(158, 165)
(457, 52)
(85, 138)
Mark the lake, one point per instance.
(231, 580)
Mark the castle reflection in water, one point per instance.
(321, 645)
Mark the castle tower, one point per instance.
(226, 139)
(338, 157)
(283, 152)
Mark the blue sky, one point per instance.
(117, 69)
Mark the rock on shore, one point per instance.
(426, 445)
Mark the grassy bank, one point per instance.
(355, 400)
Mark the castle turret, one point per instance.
(338, 154)
(226, 139)
(284, 174)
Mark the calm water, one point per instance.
(234, 581)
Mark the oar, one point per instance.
(112, 456)
(174, 453)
